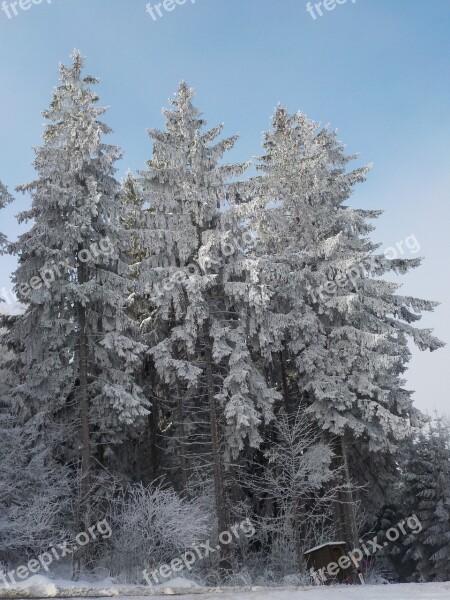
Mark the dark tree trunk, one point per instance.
(344, 506)
(284, 378)
(152, 420)
(152, 424)
(181, 439)
(85, 485)
(219, 488)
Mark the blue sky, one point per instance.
(377, 70)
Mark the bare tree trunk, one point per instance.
(298, 539)
(152, 425)
(351, 528)
(344, 506)
(181, 434)
(180, 441)
(219, 488)
(85, 487)
(287, 403)
(152, 421)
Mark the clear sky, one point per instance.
(377, 70)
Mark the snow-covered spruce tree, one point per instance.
(147, 448)
(344, 328)
(75, 345)
(200, 292)
(426, 492)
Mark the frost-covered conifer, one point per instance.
(339, 327)
(201, 287)
(76, 351)
(426, 489)
(345, 327)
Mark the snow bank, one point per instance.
(40, 586)
(179, 583)
(37, 586)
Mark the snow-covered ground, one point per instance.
(41, 587)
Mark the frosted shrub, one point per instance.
(34, 490)
(151, 526)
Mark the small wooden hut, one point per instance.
(321, 557)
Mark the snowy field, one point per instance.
(41, 587)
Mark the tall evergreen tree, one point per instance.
(201, 291)
(344, 328)
(76, 351)
(426, 492)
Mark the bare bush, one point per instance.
(151, 526)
